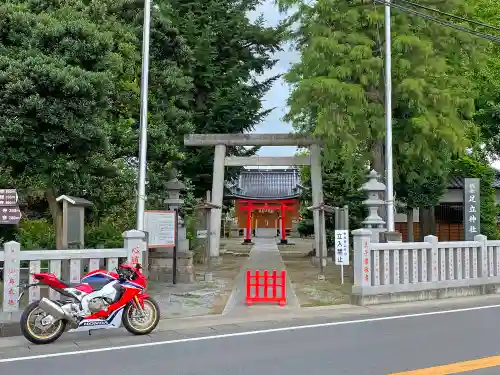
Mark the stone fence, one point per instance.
(413, 271)
(133, 250)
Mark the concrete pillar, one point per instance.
(217, 195)
(134, 241)
(482, 255)
(362, 259)
(433, 260)
(11, 275)
(317, 198)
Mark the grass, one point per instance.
(312, 292)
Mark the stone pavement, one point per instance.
(264, 255)
(183, 300)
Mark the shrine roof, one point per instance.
(266, 184)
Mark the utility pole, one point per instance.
(143, 135)
(389, 193)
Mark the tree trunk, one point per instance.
(57, 217)
(378, 158)
(427, 222)
(409, 220)
(378, 164)
(432, 220)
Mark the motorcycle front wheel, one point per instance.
(141, 321)
(37, 328)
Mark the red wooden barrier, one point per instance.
(261, 284)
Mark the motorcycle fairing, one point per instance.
(114, 320)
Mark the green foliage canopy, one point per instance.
(66, 71)
(338, 90)
(230, 54)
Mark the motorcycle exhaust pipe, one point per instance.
(53, 309)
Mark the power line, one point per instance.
(473, 22)
(440, 21)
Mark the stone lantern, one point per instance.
(173, 264)
(174, 188)
(174, 202)
(373, 188)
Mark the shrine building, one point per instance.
(266, 202)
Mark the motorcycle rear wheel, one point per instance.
(33, 329)
(137, 323)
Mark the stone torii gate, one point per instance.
(222, 141)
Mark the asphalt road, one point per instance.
(368, 346)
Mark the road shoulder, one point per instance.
(256, 318)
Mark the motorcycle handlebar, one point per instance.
(128, 273)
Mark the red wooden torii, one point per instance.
(282, 205)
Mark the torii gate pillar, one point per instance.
(217, 196)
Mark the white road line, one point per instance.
(248, 333)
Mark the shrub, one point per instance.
(306, 227)
(35, 234)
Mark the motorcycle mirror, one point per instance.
(138, 266)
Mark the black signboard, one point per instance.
(472, 208)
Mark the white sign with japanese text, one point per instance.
(201, 233)
(342, 247)
(160, 226)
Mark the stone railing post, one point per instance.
(432, 259)
(482, 262)
(362, 257)
(11, 271)
(134, 241)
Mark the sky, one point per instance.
(276, 97)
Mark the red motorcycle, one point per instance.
(102, 300)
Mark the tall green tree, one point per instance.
(61, 76)
(230, 55)
(487, 80)
(424, 193)
(338, 85)
(170, 92)
(69, 88)
(339, 189)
